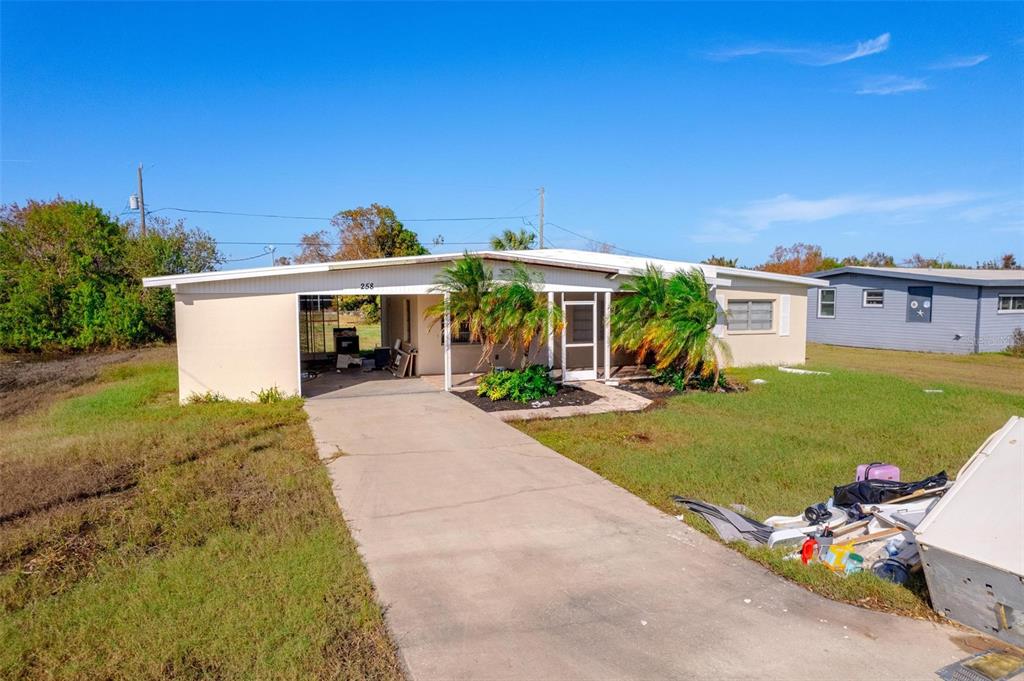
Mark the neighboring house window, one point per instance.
(582, 324)
(874, 297)
(827, 303)
(1011, 302)
(749, 315)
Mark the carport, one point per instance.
(244, 330)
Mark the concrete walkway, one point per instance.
(497, 558)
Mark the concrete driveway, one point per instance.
(498, 558)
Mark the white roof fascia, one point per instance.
(611, 265)
(227, 275)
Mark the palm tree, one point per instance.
(518, 313)
(513, 241)
(469, 284)
(673, 318)
(512, 313)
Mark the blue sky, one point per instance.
(669, 130)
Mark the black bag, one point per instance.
(881, 491)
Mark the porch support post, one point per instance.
(607, 335)
(551, 331)
(447, 343)
(593, 347)
(564, 326)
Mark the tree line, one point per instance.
(801, 258)
(71, 276)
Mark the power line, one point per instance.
(325, 243)
(251, 257)
(598, 241)
(511, 210)
(321, 219)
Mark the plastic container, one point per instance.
(837, 557)
(878, 471)
(854, 563)
(808, 550)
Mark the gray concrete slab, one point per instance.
(497, 558)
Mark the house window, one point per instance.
(873, 297)
(1011, 303)
(582, 324)
(460, 334)
(827, 303)
(749, 315)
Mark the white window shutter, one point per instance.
(784, 303)
(720, 325)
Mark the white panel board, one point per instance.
(785, 302)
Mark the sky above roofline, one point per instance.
(676, 131)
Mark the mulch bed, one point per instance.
(648, 389)
(567, 396)
(658, 391)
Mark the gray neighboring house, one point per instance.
(931, 310)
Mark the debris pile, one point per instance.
(970, 532)
(865, 525)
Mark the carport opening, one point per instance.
(348, 339)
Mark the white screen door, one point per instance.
(579, 331)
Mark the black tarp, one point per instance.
(881, 491)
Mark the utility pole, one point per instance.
(142, 205)
(541, 230)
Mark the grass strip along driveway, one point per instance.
(139, 539)
(784, 445)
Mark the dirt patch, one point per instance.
(567, 396)
(639, 438)
(31, 381)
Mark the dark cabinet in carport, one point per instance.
(346, 341)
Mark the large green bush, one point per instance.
(520, 385)
(70, 276)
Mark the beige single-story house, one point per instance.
(239, 331)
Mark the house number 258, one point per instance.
(366, 285)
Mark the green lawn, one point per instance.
(140, 539)
(783, 445)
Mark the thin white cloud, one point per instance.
(892, 85)
(960, 62)
(821, 55)
(744, 224)
(1012, 210)
(866, 48)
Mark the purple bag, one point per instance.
(878, 471)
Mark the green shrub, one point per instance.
(1016, 346)
(270, 395)
(71, 276)
(521, 385)
(209, 397)
(370, 312)
(676, 378)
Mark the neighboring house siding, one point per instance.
(952, 328)
(997, 328)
